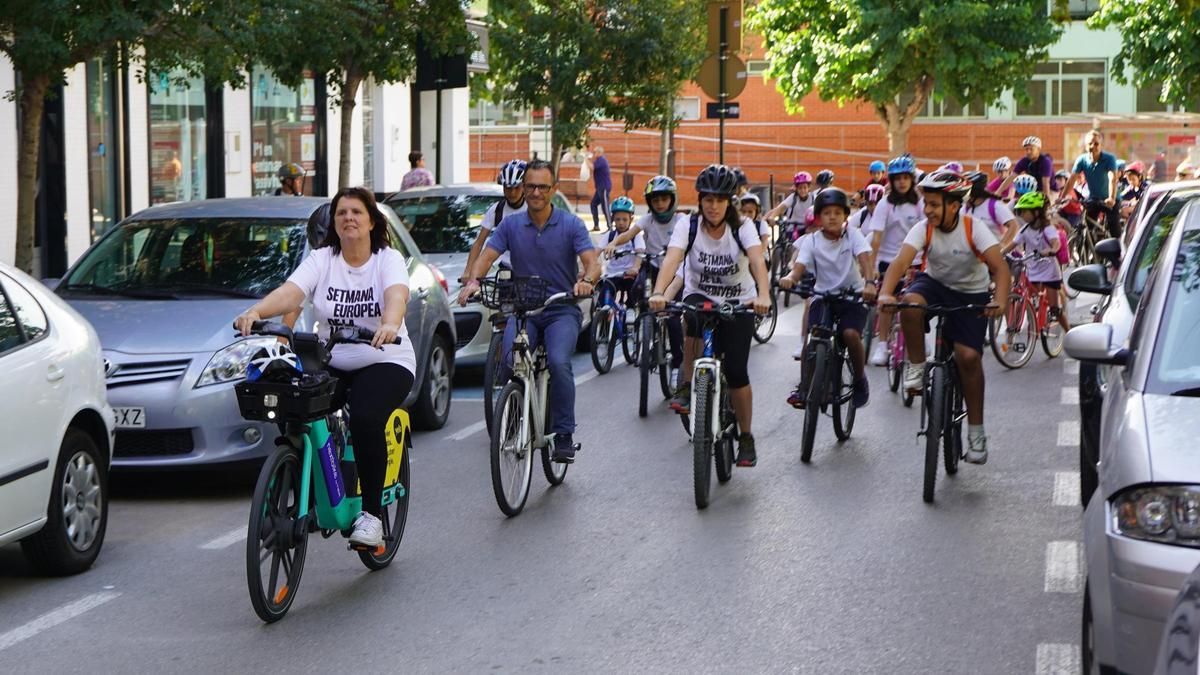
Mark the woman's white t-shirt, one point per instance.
(835, 263)
(894, 221)
(716, 268)
(951, 260)
(344, 296)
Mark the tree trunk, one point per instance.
(555, 146)
(32, 101)
(348, 91)
(897, 131)
(664, 146)
(898, 121)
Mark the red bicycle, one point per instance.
(1029, 319)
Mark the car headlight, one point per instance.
(229, 364)
(1168, 514)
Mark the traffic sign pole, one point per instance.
(721, 84)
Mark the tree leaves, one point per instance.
(1160, 44)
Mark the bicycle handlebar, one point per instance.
(940, 309)
(723, 310)
(347, 335)
(836, 294)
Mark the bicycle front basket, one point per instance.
(518, 294)
(300, 399)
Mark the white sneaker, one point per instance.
(368, 531)
(879, 355)
(798, 353)
(976, 450)
(914, 377)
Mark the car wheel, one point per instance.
(77, 514)
(1091, 398)
(433, 404)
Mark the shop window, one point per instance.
(284, 128)
(1066, 88)
(178, 126)
(102, 148)
(1149, 99)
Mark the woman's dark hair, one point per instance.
(414, 157)
(896, 198)
(379, 224)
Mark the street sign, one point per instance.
(732, 110)
(709, 78)
(733, 25)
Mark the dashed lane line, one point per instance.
(1064, 569)
(1066, 488)
(1071, 367)
(1070, 396)
(1068, 433)
(55, 617)
(1058, 659)
(226, 540)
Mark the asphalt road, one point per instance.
(833, 567)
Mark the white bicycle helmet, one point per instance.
(511, 174)
(273, 360)
(1024, 183)
(947, 182)
(1031, 140)
(1002, 164)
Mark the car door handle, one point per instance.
(54, 374)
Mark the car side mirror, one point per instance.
(1109, 250)
(1091, 279)
(1092, 342)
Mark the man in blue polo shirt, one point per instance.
(1099, 170)
(546, 242)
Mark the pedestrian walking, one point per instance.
(602, 179)
(418, 175)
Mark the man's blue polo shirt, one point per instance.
(550, 253)
(1096, 173)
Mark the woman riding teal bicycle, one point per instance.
(356, 279)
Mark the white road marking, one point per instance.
(1070, 396)
(1071, 367)
(468, 431)
(1058, 659)
(468, 399)
(1068, 433)
(226, 540)
(53, 618)
(586, 377)
(1066, 488)
(1064, 571)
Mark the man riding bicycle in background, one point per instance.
(960, 260)
(723, 262)
(548, 243)
(511, 178)
(1099, 170)
(1035, 163)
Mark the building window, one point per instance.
(1149, 100)
(484, 113)
(1066, 88)
(1082, 9)
(368, 129)
(687, 108)
(947, 107)
(102, 147)
(283, 128)
(178, 126)
(755, 67)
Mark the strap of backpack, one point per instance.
(992, 209)
(968, 229)
(499, 214)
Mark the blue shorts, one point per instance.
(964, 328)
(846, 315)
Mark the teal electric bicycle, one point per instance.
(292, 499)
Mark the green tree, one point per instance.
(1160, 45)
(350, 41)
(44, 39)
(587, 60)
(886, 52)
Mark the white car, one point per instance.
(57, 428)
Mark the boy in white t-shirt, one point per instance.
(961, 261)
(624, 265)
(840, 258)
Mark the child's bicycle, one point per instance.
(654, 352)
(612, 323)
(292, 498)
(1027, 320)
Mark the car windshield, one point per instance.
(176, 258)
(1176, 366)
(445, 224)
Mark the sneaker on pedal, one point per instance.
(796, 398)
(862, 393)
(681, 402)
(879, 355)
(564, 448)
(976, 450)
(746, 456)
(368, 531)
(914, 377)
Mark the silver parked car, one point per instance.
(444, 221)
(162, 289)
(1142, 527)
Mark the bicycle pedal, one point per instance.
(377, 550)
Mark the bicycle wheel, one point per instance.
(702, 439)
(662, 360)
(843, 408)
(631, 339)
(1016, 335)
(274, 538)
(1052, 338)
(512, 461)
(491, 388)
(1075, 248)
(935, 404)
(764, 326)
(952, 436)
(602, 344)
(556, 472)
(394, 516)
(724, 445)
(895, 362)
(645, 362)
(817, 381)
(869, 331)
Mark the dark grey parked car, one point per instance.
(162, 289)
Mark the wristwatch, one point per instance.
(588, 281)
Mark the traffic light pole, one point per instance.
(724, 56)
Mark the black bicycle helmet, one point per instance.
(741, 176)
(979, 181)
(824, 178)
(831, 197)
(717, 179)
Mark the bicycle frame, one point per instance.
(608, 300)
(531, 370)
(708, 363)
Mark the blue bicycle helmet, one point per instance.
(1024, 183)
(511, 174)
(622, 204)
(877, 165)
(902, 164)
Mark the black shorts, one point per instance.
(1048, 284)
(846, 315)
(731, 339)
(964, 328)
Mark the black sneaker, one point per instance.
(681, 402)
(564, 449)
(746, 456)
(862, 393)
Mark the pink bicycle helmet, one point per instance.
(802, 177)
(873, 192)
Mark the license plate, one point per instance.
(130, 418)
